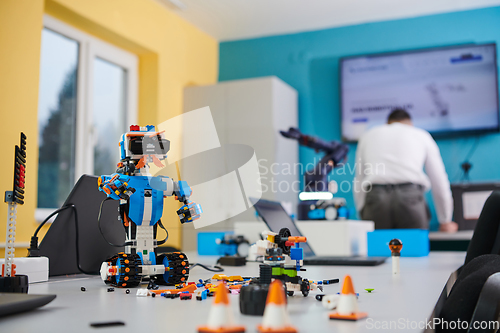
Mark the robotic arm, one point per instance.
(115, 186)
(190, 211)
(316, 179)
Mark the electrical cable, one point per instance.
(166, 238)
(100, 229)
(126, 243)
(214, 268)
(34, 238)
(466, 165)
(57, 211)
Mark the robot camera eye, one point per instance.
(149, 146)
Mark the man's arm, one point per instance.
(441, 192)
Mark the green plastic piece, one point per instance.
(369, 290)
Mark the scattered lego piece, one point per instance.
(275, 314)
(188, 288)
(110, 290)
(395, 245)
(369, 290)
(185, 296)
(220, 318)
(127, 291)
(330, 301)
(235, 278)
(83, 289)
(220, 277)
(142, 292)
(319, 297)
(107, 324)
(347, 306)
(152, 285)
(235, 291)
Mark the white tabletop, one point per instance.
(407, 299)
(451, 236)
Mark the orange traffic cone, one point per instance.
(347, 307)
(220, 319)
(275, 316)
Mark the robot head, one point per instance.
(143, 142)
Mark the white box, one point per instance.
(326, 238)
(37, 268)
(337, 238)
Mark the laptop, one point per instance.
(59, 244)
(276, 218)
(11, 303)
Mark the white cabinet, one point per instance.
(252, 112)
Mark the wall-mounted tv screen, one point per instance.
(445, 90)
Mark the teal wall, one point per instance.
(309, 62)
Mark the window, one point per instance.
(87, 99)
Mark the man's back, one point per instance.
(394, 154)
(390, 182)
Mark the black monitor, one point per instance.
(468, 202)
(59, 244)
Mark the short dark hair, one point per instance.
(398, 115)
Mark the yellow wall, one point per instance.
(172, 54)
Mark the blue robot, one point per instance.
(141, 206)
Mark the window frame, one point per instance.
(89, 48)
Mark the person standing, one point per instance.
(390, 182)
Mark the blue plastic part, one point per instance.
(136, 201)
(204, 294)
(199, 285)
(184, 292)
(296, 253)
(316, 214)
(118, 268)
(343, 212)
(152, 258)
(150, 128)
(321, 282)
(207, 245)
(166, 263)
(184, 189)
(415, 242)
(122, 147)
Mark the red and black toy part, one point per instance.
(17, 194)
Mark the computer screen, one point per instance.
(276, 218)
(445, 90)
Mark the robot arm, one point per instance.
(115, 186)
(190, 211)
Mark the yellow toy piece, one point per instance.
(235, 278)
(220, 277)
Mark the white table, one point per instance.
(408, 297)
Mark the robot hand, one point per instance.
(115, 187)
(189, 212)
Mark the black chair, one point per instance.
(472, 293)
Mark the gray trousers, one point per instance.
(398, 206)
